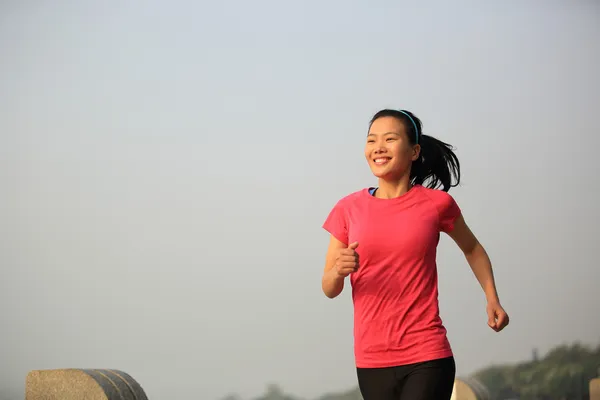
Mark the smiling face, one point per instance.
(388, 149)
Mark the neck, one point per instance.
(389, 189)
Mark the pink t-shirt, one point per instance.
(395, 289)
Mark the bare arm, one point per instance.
(476, 256)
(481, 266)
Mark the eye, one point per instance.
(390, 139)
(370, 141)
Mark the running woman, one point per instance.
(385, 238)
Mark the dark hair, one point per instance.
(437, 163)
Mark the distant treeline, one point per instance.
(563, 373)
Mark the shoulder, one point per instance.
(436, 196)
(352, 198)
(442, 201)
(337, 222)
(445, 205)
(349, 202)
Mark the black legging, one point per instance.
(429, 380)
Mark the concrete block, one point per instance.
(77, 384)
(469, 389)
(595, 389)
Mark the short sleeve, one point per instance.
(448, 211)
(336, 223)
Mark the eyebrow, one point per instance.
(383, 134)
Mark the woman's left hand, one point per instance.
(497, 317)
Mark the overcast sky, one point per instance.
(165, 169)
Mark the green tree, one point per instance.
(274, 392)
(563, 373)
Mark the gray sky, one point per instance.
(166, 168)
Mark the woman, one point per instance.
(385, 239)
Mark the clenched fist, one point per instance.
(497, 317)
(346, 260)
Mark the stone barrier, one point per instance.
(77, 384)
(469, 389)
(595, 389)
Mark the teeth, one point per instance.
(381, 160)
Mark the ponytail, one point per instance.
(437, 164)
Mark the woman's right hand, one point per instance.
(341, 260)
(346, 260)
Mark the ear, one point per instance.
(416, 152)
